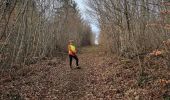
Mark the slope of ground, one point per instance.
(102, 77)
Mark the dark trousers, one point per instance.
(71, 59)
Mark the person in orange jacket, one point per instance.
(72, 54)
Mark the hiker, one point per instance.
(72, 54)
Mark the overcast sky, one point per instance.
(82, 6)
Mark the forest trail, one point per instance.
(133, 65)
(101, 77)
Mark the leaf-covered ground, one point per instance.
(101, 77)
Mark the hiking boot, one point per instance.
(78, 67)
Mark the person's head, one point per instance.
(70, 41)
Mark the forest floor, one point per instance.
(101, 77)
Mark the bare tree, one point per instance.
(33, 29)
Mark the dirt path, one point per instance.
(92, 82)
(102, 77)
(80, 83)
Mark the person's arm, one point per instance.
(69, 48)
